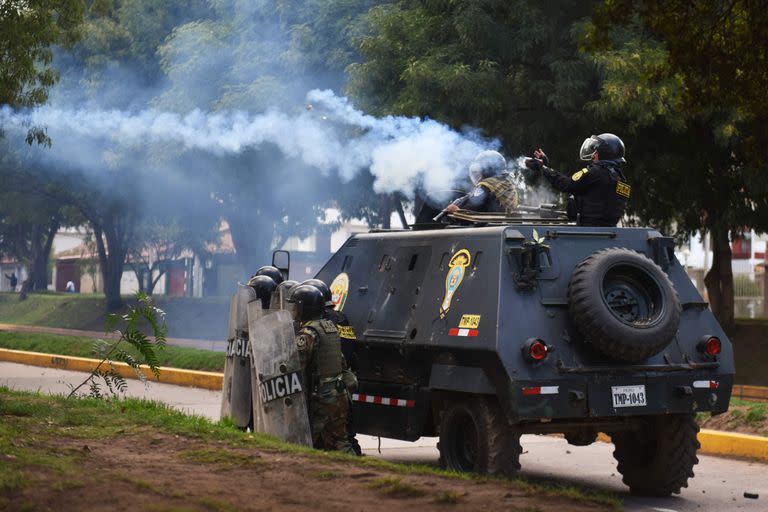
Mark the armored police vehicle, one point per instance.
(522, 324)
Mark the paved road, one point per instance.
(719, 484)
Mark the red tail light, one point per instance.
(710, 345)
(535, 350)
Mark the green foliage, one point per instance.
(512, 69)
(28, 31)
(129, 328)
(690, 78)
(394, 487)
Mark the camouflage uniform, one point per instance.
(503, 191)
(320, 354)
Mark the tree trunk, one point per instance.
(42, 255)
(249, 241)
(111, 248)
(719, 279)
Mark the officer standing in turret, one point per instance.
(494, 190)
(319, 349)
(600, 190)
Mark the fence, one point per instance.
(749, 292)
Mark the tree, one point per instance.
(162, 241)
(275, 53)
(28, 31)
(510, 68)
(691, 78)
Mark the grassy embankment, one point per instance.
(174, 357)
(202, 318)
(76, 454)
(743, 416)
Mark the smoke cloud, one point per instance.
(402, 153)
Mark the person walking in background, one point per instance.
(70, 288)
(13, 279)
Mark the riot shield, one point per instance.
(226, 387)
(236, 396)
(282, 392)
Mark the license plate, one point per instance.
(628, 396)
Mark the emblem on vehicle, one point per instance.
(340, 291)
(458, 264)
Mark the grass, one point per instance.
(188, 317)
(449, 497)
(394, 487)
(223, 457)
(175, 357)
(29, 420)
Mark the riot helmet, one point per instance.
(485, 165)
(270, 271)
(263, 286)
(324, 289)
(282, 292)
(607, 145)
(308, 302)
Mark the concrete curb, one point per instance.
(713, 442)
(725, 444)
(733, 444)
(192, 378)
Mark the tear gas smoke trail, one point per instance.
(402, 153)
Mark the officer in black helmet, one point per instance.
(494, 190)
(348, 375)
(264, 286)
(599, 190)
(270, 271)
(320, 354)
(337, 317)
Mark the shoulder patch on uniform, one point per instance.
(328, 326)
(302, 340)
(577, 175)
(623, 189)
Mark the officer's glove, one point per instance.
(534, 164)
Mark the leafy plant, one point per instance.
(128, 327)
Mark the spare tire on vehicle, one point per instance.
(624, 304)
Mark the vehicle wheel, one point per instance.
(658, 460)
(624, 304)
(475, 436)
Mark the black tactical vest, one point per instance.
(326, 354)
(503, 191)
(605, 201)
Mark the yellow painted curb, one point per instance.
(179, 377)
(727, 444)
(733, 444)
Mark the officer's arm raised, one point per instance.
(578, 183)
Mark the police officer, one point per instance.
(348, 375)
(600, 190)
(264, 286)
(270, 271)
(320, 354)
(494, 190)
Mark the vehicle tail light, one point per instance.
(710, 345)
(535, 350)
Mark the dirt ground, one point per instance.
(164, 472)
(747, 419)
